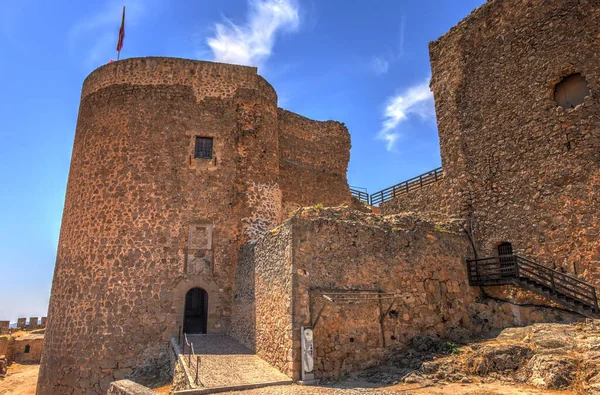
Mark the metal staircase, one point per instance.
(567, 291)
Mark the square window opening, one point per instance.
(204, 147)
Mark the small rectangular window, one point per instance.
(203, 148)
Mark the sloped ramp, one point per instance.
(226, 365)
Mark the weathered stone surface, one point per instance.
(548, 356)
(281, 278)
(127, 387)
(145, 221)
(520, 168)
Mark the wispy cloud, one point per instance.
(381, 64)
(252, 44)
(95, 37)
(416, 101)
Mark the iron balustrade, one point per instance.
(418, 182)
(361, 195)
(193, 360)
(512, 269)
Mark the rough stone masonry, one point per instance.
(146, 220)
(518, 165)
(183, 172)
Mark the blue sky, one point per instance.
(364, 63)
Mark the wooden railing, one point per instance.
(360, 194)
(414, 183)
(508, 268)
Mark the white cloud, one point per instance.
(416, 101)
(96, 36)
(380, 65)
(252, 43)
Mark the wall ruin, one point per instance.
(341, 250)
(517, 165)
(525, 169)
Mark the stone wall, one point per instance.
(127, 387)
(144, 221)
(134, 190)
(4, 347)
(21, 323)
(32, 354)
(314, 160)
(432, 197)
(263, 299)
(4, 326)
(523, 169)
(345, 251)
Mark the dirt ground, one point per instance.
(349, 388)
(21, 380)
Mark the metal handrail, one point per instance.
(502, 269)
(198, 360)
(363, 196)
(404, 187)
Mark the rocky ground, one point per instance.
(544, 356)
(537, 359)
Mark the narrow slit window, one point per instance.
(204, 147)
(27, 349)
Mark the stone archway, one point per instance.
(195, 318)
(213, 311)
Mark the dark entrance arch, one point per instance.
(196, 311)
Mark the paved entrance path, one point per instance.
(224, 362)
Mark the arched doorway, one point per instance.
(196, 311)
(507, 260)
(505, 248)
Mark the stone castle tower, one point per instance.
(515, 87)
(176, 164)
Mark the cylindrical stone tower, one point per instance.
(174, 166)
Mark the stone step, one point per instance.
(226, 365)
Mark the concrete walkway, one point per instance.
(226, 363)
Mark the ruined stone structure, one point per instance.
(176, 164)
(519, 165)
(391, 279)
(4, 327)
(22, 349)
(184, 172)
(21, 323)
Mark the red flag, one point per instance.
(121, 32)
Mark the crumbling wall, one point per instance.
(522, 168)
(28, 348)
(313, 161)
(127, 387)
(432, 197)
(4, 326)
(4, 346)
(341, 250)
